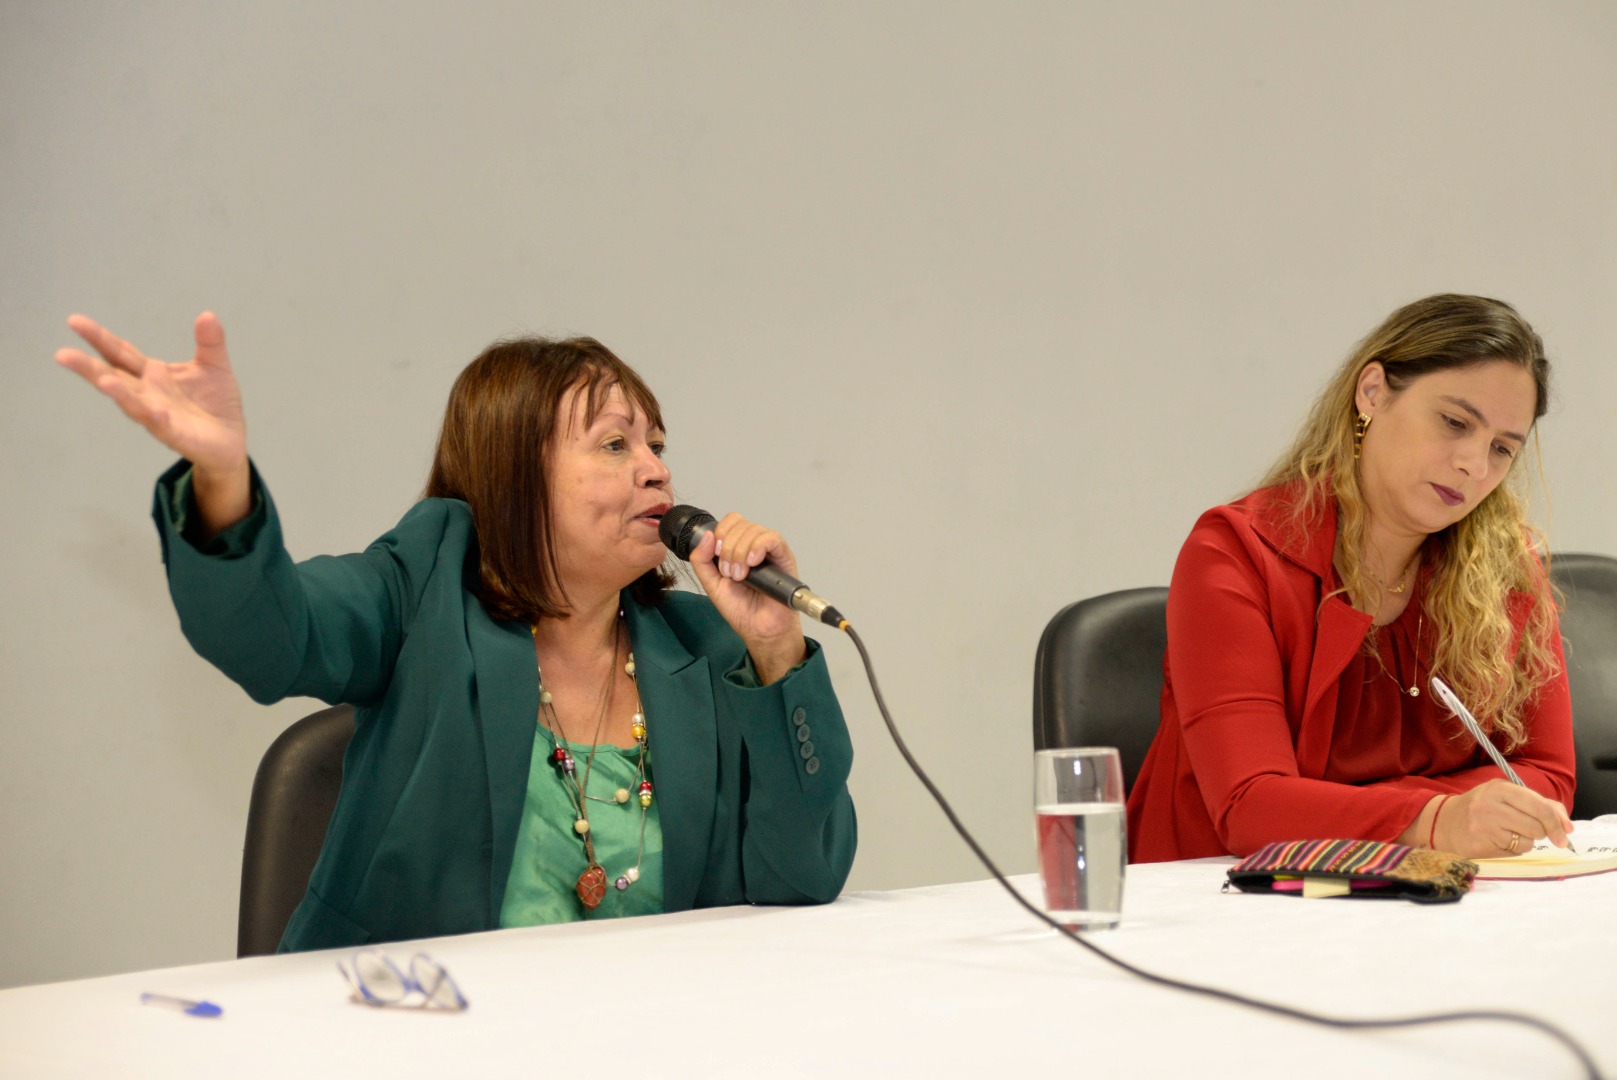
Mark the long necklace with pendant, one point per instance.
(591, 885)
(1413, 689)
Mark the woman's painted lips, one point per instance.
(1448, 495)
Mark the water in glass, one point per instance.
(1079, 824)
(1081, 856)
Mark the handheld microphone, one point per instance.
(682, 529)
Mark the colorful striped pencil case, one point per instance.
(1358, 868)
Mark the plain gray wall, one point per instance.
(981, 304)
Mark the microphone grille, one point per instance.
(679, 529)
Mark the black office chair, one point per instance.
(1589, 629)
(1097, 677)
(294, 794)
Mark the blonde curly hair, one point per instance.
(1479, 572)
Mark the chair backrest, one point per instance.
(1097, 677)
(1589, 629)
(293, 796)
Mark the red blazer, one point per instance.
(1250, 697)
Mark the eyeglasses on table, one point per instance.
(376, 979)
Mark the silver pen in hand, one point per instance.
(1457, 707)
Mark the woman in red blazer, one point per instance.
(1305, 620)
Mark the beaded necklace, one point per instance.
(591, 886)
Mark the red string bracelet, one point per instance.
(1431, 837)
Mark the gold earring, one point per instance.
(1359, 428)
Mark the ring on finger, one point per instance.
(1515, 838)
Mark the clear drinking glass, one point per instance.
(1078, 810)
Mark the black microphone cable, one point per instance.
(1341, 1023)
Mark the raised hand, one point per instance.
(193, 408)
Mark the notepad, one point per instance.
(1545, 862)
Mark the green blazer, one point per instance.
(751, 781)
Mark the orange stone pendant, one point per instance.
(592, 886)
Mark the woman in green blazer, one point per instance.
(544, 731)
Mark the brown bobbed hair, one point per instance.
(494, 454)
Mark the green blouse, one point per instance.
(550, 855)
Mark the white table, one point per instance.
(951, 980)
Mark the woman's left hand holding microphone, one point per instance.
(772, 632)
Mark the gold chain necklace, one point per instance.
(591, 885)
(1392, 590)
(1413, 689)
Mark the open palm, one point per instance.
(193, 408)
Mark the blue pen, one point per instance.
(190, 1008)
(1447, 697)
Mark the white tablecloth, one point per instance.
(950, 980)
